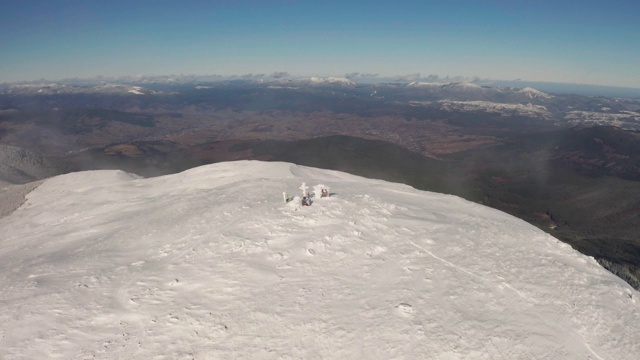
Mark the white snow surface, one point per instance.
(212, 264)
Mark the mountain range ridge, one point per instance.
(488, 145)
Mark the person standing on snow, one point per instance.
(306, 201)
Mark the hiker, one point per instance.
(306, 201)
(321, 190)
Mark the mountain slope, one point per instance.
(210, 263)
(19, 166)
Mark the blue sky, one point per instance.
(586, 42)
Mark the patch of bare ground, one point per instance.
(124, 149)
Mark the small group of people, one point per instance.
(306, 197)
(306, 200)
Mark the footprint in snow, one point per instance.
(404, 309)
(376, 251)
(279, 256)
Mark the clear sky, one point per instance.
(586, 41)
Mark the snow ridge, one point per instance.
(331, 80)
(55, 88)
(534, 94)
(211, 263)
(487, 106)
(427, 84)
(465, 85)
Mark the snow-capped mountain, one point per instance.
(537, 111)
(331, 80)
(20, 166)
(591, 118)
(212, 264)
(465, 85)
(533, 93)
(73, 88)
(426, 84)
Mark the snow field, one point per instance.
(210, 263)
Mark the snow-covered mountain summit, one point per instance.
(331, 80)
(212, 264)
(74, 88)
(464, 85)
(534, 94)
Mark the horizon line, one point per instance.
(354, 77)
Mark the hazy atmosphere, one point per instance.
(586, 42)
(320, 180)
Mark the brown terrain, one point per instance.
(429, 138)
(581, 183)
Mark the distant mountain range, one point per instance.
(563, 109)
(566, 163)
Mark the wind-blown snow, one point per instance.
(211, 264)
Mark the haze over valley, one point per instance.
(298, 179)
(566, 163)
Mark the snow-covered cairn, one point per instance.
(304, 189)
(306, 199)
